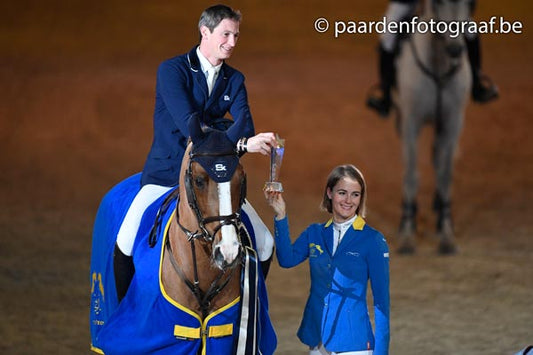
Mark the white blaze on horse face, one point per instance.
(229, 244)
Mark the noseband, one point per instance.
(233, 219)
(217, 285)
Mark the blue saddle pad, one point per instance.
(111, 212)
(144, 312)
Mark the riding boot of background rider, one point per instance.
(483, 89)
(123, 269)
(380, 100)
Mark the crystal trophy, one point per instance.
(276, 156)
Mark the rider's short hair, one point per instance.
(213, 15)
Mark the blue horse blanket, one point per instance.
(148, 321)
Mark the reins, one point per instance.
(439, 80)
(204, 298)
(232, 219)
(221, 281)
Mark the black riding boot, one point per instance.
(483, 89)
(124, 270)
(265, 266)
(381, 102)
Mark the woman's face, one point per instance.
(345, 198)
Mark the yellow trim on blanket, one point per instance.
(161, 287)
(189, 332)
(221, 309)
(186, 332)
(217, 331)
(96, 350)
(208, 318)
(214, 331)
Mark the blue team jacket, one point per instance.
(181, 90)
(336, 312)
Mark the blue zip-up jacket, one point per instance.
(181, 91)
(336, 312)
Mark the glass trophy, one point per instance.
(276, 156)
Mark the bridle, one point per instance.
(440, 80)
(204, 298)
(233, 219)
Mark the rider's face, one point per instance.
(218, 45)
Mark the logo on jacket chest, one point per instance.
(353, 253)
(315, 250)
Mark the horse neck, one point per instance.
(183, 248)
(182, 251)
(431, 50)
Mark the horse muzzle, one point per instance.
(227, 251)
(455, 49)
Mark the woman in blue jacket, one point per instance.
(344, 254)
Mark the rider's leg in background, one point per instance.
(381, 100)
(483, 89)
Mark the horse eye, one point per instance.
(199, 182)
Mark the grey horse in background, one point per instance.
(433, 84)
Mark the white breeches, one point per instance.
(263, 238)
(149, 193)
(130, 225)
(396, 12)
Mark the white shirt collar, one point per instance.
(339, 229)
(344, 225)
(205, 64)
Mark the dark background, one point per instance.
(77, 89)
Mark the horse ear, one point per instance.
(195, 127)
(238, 126)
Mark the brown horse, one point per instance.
(198, 286)
(203, 235)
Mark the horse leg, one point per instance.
(407, 229)
(443, 154)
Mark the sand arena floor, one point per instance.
(77, 87)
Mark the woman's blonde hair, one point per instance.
(339, 172)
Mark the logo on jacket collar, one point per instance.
(226, 98)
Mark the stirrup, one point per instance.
(376, 100)
(484, 90)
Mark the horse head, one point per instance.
(214, 186)
(450, 17)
